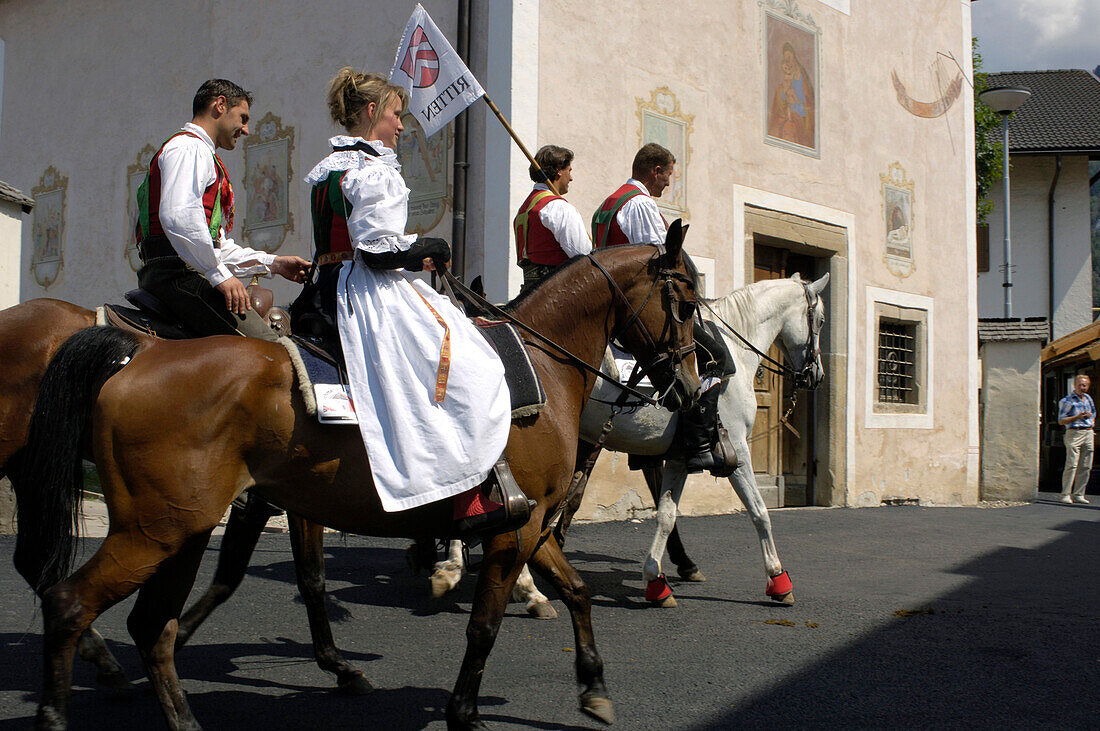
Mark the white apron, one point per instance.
(427, 437)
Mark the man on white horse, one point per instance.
(630, 216)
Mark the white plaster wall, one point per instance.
(1029, 185)
(588, 103)
(1010, 420)
(125, 74)
(11, 225)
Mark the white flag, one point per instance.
(439, 84)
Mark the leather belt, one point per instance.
(334, 256)
(156, 247)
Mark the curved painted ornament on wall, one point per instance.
(48, 227)
(928, 110)
(268, 178)
(661, 120)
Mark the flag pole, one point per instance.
(522, 147)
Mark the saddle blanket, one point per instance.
(524, 386)
(322, 383)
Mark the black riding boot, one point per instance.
(706, 444)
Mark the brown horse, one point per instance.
(179, 428)
(30, 335)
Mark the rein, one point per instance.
(450, 282)
(780, 369)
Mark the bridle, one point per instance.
(677, 309)
(811, 349)
(672, 358)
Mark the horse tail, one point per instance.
(50, 479)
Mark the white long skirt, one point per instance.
(421, 449)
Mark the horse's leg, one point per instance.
(550, 563)
(153, 623)
(779, 585)
(307, 542)
(538, 606)
(685, 567)
(122, 563)
(93, 649)
(573, 503)
(672, 476)
(448, 572)
(242, 532)
(499, 570)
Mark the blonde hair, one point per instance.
(351, 90)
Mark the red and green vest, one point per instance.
(217, 199)
(534, 242)
(330, 209)
(605, 229)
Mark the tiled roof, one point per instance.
(1063, 113)
(8, 193)
(992, 329)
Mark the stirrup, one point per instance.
(505, 490)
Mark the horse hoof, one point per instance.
(787, 598)
(355, 684)
(440, 586)
(599, 708)
(669, 602)
(48, 719)
(114, 679)
(542, 610)
(692, 575)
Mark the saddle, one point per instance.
(149, 316)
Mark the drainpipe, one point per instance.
(458, 189)
(1050, 241)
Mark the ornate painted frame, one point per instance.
(662, 111)
(788, 11)
(270, 141)
(429, 199)
(51, 187)
(897, 249)
(135, 176)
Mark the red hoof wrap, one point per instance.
(779, 585)
(657, 590)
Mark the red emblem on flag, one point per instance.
(421, 62)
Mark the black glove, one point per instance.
(411, 258)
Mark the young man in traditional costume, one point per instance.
(434, 426)
(185, 209)
(630, 216)
(549, 230)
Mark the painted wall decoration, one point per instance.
(267, 175)
(135, 176)
(424, 167)
(48, 227)
(897, 210)
(791, 88)
(661, 120)
(932, 109)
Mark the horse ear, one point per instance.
(819, 285)
(674, 240)
(796, 277)
(477, 285)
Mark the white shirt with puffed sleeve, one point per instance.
(186, 171)
(562, 219)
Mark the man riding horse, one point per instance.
(630, 216)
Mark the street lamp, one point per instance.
(1005, 100)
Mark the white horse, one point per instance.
(788, 310)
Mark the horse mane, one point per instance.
(745, 308)
(511, 306)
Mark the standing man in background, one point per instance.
(1077, 413)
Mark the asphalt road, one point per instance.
(1005, 634)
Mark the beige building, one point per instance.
(812, 136)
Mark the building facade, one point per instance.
(811, 136)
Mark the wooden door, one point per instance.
(765, 442)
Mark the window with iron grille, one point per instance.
(897, 363)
